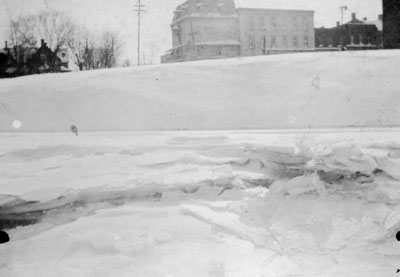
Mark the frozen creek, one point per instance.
(250, 203)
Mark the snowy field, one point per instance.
(337, 89)
(133, 200)
(216, 203)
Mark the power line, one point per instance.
(139, 8)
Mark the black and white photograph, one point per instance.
(199, 138)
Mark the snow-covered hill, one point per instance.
(285, 91)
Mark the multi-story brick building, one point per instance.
(354, 35)
(206, 29)
(264, 31)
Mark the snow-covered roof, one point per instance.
(377, 23)
(11, 70)
(355, 21)
(64, 69)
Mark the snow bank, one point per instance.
(209, 203)
(201, 203)
(285, 91)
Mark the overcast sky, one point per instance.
(119, 15)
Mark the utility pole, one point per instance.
(342, 9)
(139, 8)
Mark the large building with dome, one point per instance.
(210, 29)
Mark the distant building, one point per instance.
(391, 24)
(203, 29)
(354, 35)
(44, 60)
(378, 22)
(209, 29)
(64, 56)
(8, 64)
(264, 31)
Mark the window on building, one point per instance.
(219, 50)
(294, 19)
(250, 23)
(305, 22)
(199, 6)
(321, 42)
(220, 8)
(262, 42)
(352, 40)
(273, 42)
(295, 42)
(284, 41)
(251, 41)
(306, 43)
(273, 21)
(284, 24)
(181, 37)
(261, 21)
(368, 40)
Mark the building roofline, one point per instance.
(208, 43)
(281, 10)
(207, 16)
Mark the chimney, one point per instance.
(380, 17)
(353, 16)
(337, 23)
(365, 18)
(42, 43)
(6, 47)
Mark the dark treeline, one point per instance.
(50, 41)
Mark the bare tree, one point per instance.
(56, 28)
(77, 48)
(59, 30)
(21, 37)
(110, 49)
(83, 48)
(90, 53)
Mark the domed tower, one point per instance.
(204, 29)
